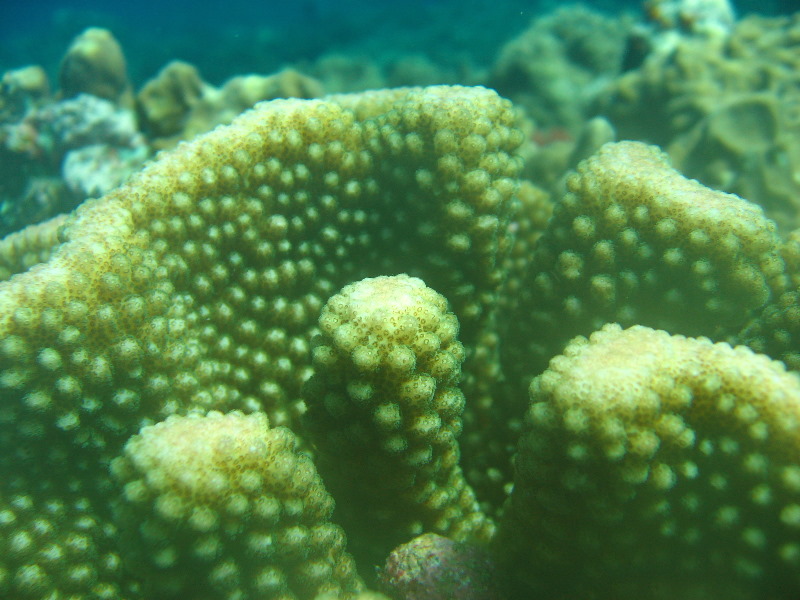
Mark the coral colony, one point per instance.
(401, 343)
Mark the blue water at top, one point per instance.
(239, 36)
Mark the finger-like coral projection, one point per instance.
(222, 506)
(663, 466)
(385, 410)
(635, 242)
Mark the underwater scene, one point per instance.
(419, 300)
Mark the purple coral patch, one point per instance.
(432, 567)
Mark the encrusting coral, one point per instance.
(193, 295)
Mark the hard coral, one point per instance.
(645, 455)
(94, 64)
(193, 295)
(58, 152)
(198, 284)
(722, 106)
(633, 241)
(178, 105)
(225, 506)
(385, 410)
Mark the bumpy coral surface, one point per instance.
(432, 567)
(633, 241)
(55, 538)
(198, 285)
(645, 455)
(22, 250)
(385, 408)
(193, 297)
(222, 506)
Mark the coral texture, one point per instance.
(56, 540)
(385, 410)
(645, 455)
(776, 329)
(222, 506)
(432, 567)
(635, 242)
(198, 284)
(723, 107)
(33, 245)
(193, 295)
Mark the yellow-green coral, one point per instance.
(555, 67)
(723, 107)
(198, 286)
(57, 538)
(54, 546)
(178, 105)
(165, 102)
(28, 247)
(385, 411)
(94, 64)
(222, 506)
(663, 466)
(776, 329)
(633, 241)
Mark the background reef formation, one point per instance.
(199, 286)
(718, 94)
